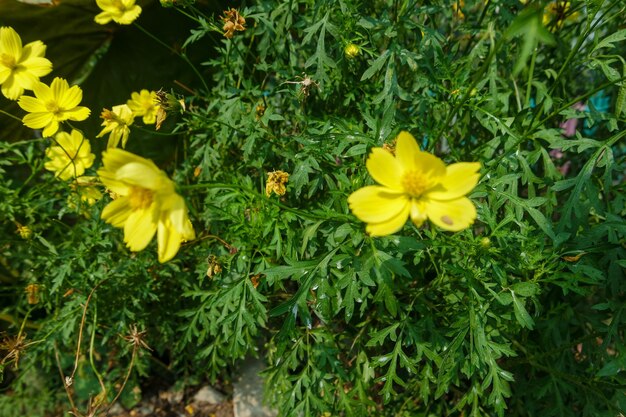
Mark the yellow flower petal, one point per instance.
(390, 226)
(25, 79)
(32, 105)
(71, 98)
(50, 129)
(77, 114)
(460, 179)
(430, 165)
(168, 239)
(129, 16)
(102, 18)
(406, 150)
(384, 168)
(140, 228)
(11, 89)
(59, 88)
(5, 73)
(117, 212)
(38, 120)
(36, 49)
(10, 42)
(116, 158)
(376, 204)
(142, 175)
(43, 93)
(418, 212)
(452, 215)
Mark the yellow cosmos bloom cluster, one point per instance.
(20, 66)
(414, 184)
(70, 156)
(53, 104)
(146, 203)
(117, 122)
(144, 104)
(123, 12)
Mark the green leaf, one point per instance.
(521, 314)
(608, 42)
(525, 289)
(376, 65)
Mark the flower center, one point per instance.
(140, 198)
(53, 107)
(415, 183)
(8, 61)
(119, 5)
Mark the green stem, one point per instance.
(256, 195)
(10, 115)
(141, 129)
(476, 79)
(174, 51)
(531, 73)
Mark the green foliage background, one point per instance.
(521, 315)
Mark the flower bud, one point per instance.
(351, 51)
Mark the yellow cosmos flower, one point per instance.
(146, 203)
(559, 12)
(70, 156)
(20, 67)
(117, 122)
(414, 184)
(52, 105)
(144, 103)
(123, 12)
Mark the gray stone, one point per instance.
(209, 395)
(248, 391)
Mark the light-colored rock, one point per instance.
(248, 391)
(209, 395)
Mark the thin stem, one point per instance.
(531, 73)
(63, 379)
(130, 368)
(82, 325)
(10, 115)
(174, 51)
(91, 349)
(473, 84)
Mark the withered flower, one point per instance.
(276, 181)
(233, 21)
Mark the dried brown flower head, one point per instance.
(32, 291)
(135, 338)
(276, 181)
(214, 266)
(12, 347)
(233, 21)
